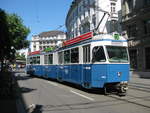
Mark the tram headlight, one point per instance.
(119, 73)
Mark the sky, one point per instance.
(39, 15)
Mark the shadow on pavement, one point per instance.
(93, 91)
(7, 92)
(26, 90)
(19, 77)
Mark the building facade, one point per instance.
(136, 21)
(49, 39)
(85, 16)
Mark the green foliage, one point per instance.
(17, 31)
(12, 36)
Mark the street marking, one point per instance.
(52, 83)
(89, 98)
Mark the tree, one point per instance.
(12, 36)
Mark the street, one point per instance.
(48, 96)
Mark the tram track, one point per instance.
(140, 87)
(128, 100)
(141, 84)
(133, 99)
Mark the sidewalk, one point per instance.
(8, 106)
(7, 93)
(10, 97)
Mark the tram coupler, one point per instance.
(116, 88)
(122, 88)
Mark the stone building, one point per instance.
(136, 21)
(85, 16)
(47, 39)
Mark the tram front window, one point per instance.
(117, 54)
(98, 54)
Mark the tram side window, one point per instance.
(45, 59)
(98, 54)
(75, 55)
(67, 57)
(31, 60)
(34, 60)
(86, 54)
(38, 60)
(50, 59)
(60, 57)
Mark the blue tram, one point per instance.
(99, 61)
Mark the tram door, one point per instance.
(86, 66)
(60, 66)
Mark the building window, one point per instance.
(86, 27)
(132, 30)
(147, 57)
(94, 20)
(133, 59)
(40, 47)
(113, 7)
(80, 29)
(147, 2)
(34, 48)
(147, 26)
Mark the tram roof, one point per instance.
(84, 39)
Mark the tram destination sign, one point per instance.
(117, 43)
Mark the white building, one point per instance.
(85, 15)
(23, 51)
(46, 40)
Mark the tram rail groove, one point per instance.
(139, 88)
(137, 83)
(128, 101)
